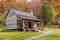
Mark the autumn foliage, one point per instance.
(23, 5)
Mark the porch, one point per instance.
(27, 25)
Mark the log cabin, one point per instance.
(21, 20)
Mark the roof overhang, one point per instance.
(24, 15)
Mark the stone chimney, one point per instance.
(31, 12)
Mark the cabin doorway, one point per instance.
(29, 25)
(20, 25)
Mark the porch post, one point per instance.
(23, 25)
(35, 25)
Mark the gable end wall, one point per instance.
(11, 20)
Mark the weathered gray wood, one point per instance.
(11, 27)
(14, 15)
(11, 20)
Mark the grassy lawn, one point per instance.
(17, 35)
(23, 35)
(54, 36)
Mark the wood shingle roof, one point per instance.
(24, 15)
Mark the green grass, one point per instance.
(17, 35)
(2, 27)
(54, 36)
(23, 35)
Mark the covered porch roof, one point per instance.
(25, 15)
